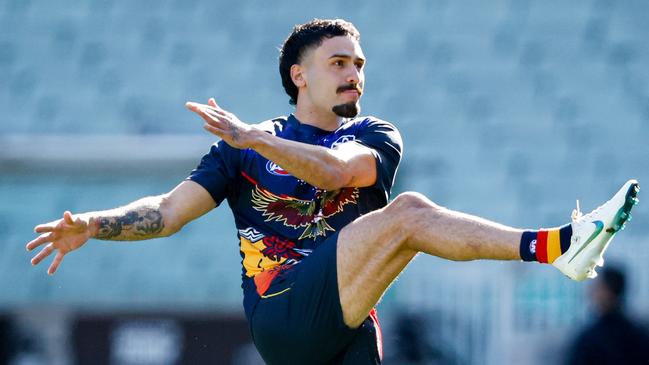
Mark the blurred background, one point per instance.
(509, 109)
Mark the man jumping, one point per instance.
(319, 238)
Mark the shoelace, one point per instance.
(576, 213)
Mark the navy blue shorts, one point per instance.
(299, 320)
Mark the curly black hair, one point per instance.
(305, 36)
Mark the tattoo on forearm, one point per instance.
(138, 224)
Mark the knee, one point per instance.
(412, 201)
(409, 208)
(406, 216)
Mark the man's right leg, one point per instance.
(375, 248)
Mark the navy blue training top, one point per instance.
(281, 219)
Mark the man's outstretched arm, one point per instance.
(350, 165)
(150, 217)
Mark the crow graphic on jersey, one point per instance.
(294, 212)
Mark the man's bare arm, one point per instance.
(351, 164)
(140, 220)
(146, 218)
(152, 217)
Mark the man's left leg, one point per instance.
(375, 248)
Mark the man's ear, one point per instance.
(298, 76)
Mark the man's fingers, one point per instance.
(216, 107)
(46, 227)
(46, 251)
(214, 120)
(196, 108)
(192, 106)
(216, 115)
(212, 102)
(45, 237)
(42, 228)
(201, 108)
(215, 110)
(67, 217)
(219, 132)
(202, 111)
(55, 264)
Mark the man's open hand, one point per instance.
(224, 124)
(65, 235)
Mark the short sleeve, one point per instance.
(386, 144)
(217, 171)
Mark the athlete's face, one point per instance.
(333, 76)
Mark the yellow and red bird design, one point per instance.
(295, 213)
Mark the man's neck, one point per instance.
(324, 120)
